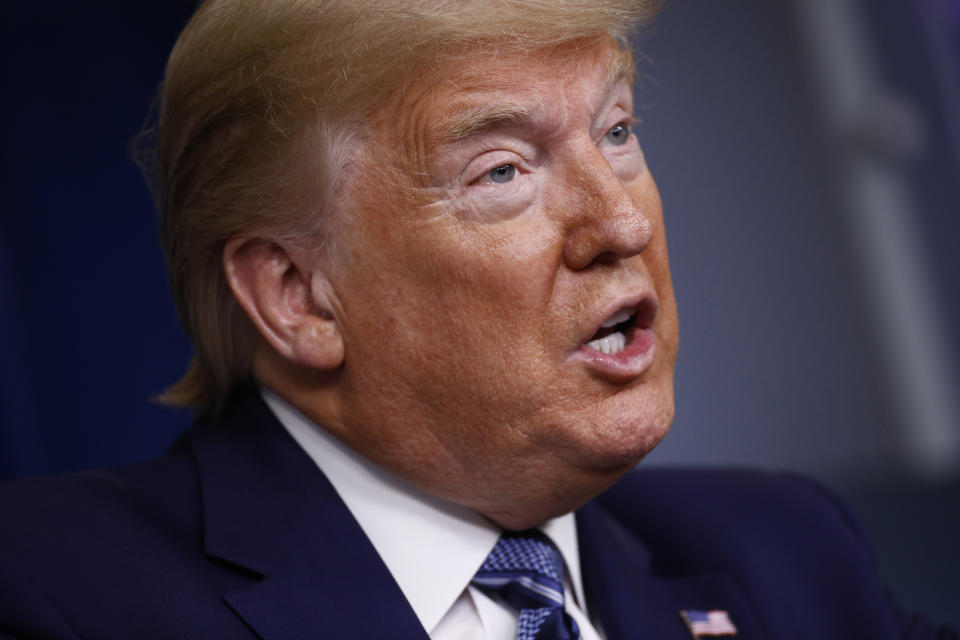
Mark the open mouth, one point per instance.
(615, 334)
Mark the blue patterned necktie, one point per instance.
(525, 571)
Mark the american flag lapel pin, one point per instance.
(705, 624)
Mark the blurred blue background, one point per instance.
(808, 154)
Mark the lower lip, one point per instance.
(627, 365)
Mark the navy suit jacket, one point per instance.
(236, 534)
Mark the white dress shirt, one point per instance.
(432, 547)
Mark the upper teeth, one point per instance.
(620, 316)
(611, 344)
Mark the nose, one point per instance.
(607, 223)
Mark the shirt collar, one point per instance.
(410, 528)
(563, 532)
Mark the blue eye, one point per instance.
(618, 135)
(503, 173)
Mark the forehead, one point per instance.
(484, 77)
(474, 106)
(490, 89)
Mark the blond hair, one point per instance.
(259, 100)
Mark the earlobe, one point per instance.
(287, 303)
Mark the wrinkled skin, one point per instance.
(474, 259)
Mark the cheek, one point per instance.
(462, 311)
(667, 327)
(509, 280)
(480, 275)
(655, 257)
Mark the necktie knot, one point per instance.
(525, 571)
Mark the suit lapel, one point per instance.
(268, 510)
(631, 601)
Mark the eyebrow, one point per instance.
(486, 120)
(620, 68)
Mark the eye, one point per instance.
(618, 134)
(503, 173)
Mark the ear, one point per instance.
(288, 304)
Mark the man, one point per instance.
(423, 264)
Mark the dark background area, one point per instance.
(89, 331)
(783, 361)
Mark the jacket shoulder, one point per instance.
(716, 515)
(81, 507)
(72, 545)
(790, 543)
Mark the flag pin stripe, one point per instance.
(708, 623)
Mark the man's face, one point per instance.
(501, 234)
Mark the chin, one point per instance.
(577, 469)
(629, 432)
